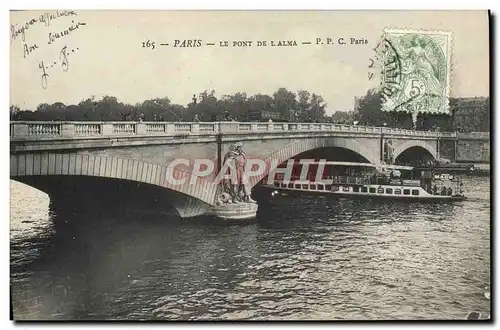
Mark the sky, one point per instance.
(110, 55)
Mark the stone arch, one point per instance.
(46, 164)
(292, 149)
(414, 143)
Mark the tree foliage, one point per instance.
(302, 106)
(206, 105)
(467, 115)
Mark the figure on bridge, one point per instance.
(234, 187)
(388, 152)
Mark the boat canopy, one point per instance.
(453, 167)
(355, 164)
(397, 167)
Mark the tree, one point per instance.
(261, 102)
(159, 109)
(317, 108)
(87, 110)
(303, 105)
(284, 101)
(207, 107)
(369, 112)
(14, 112)
(236, 105)
(344, 117)
(178, 112)
(107, 108)
(43, 107)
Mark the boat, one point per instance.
(366, 180)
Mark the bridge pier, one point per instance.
(382, 149)
(188, 207)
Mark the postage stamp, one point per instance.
(416, 70)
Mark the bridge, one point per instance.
(100, 161)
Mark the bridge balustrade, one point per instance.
(70, 130)
(87, 129)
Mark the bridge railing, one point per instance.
(41, 130)
(37, 130)
(474, 135)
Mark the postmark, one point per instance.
(415, 70)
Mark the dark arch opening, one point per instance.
(100, 195)
(338, 154)
(332, 154)
(414, 156)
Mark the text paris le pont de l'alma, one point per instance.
(272, 43)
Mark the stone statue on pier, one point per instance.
(234, 189)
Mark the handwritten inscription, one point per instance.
(45, 75)
(29, 49)
(57, 35)
(63, 57)
(63, 62)
(20, 31)
(17, 30)
(46, 17)
(67, 24)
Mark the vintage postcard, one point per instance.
(250, 165)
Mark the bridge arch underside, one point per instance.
(87, 193)
(339, 154)
(87, 181)
(414, 156)
(331, 149)
(92, 194)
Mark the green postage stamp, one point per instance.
(416, 68)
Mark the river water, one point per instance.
(303, 258)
